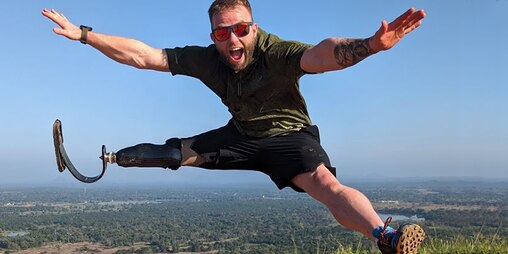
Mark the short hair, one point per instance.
(221, 5)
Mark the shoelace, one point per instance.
(387, 222)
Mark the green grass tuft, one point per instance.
(459, 245)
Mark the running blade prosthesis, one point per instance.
(63, 161)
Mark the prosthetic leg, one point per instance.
(168, 155)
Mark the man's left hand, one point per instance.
(390, 34)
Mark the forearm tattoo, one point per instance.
(351, 51)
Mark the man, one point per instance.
(256, 74)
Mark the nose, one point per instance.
(233, 37)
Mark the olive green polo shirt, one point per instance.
(264, 98)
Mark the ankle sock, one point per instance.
(377, 231)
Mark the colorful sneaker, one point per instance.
(404, 240)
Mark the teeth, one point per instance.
(236, 53)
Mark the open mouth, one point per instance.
(236, 53)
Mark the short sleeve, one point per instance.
(286, 56)
(198, 62)
(194, 61)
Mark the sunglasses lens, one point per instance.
(241, 29)
(221, 34)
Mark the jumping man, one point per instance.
(256, 74)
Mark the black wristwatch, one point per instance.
(84, 33)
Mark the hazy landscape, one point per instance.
(240, 219)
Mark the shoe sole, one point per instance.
(411, 236)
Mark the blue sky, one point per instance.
(434, 106)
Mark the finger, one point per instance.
(415, 17)
(57, 14)
(382, 30)
(414, 21)
(375, 42)
(59, 31)
(410, 29)
(54, 16)
(47, 13)
(384, 27)
(422, 13)
(400, 20)
(59, 19)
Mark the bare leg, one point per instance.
(349, 207)
(189, 156)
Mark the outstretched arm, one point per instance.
(123, 50)
(339, 53)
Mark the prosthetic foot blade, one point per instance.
(63, 161)
(57, 141)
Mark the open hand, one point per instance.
(390, 34)
(66, 28)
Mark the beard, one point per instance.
(248, 52)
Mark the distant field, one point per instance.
(73, 248)
(242, 219)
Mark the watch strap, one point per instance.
(84, 33)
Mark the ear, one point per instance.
(212, 38)
(255, 29)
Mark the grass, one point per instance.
(459, 245)
(479, 245)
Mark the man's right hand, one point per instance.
(123, 50)
(66, 28)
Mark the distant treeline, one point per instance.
(235, 220)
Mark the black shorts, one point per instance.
(280, 157)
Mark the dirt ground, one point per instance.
(75, 248)
(85, 247)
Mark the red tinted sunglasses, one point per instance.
(223, 33)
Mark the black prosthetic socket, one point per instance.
(168, 155)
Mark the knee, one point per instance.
(189, 156)
(319, 183)
(324, 178)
